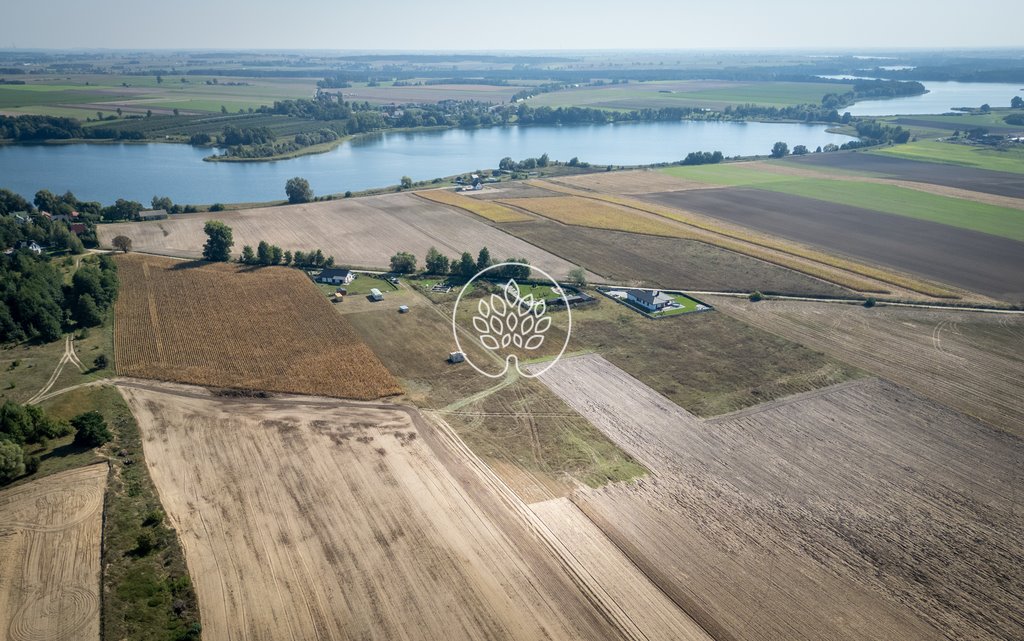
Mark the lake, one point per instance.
(139, 171)
(942, 97)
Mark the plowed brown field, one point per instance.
(970, 361)
(861, 511)
(306, 518)
(50, 557)
(223, 325)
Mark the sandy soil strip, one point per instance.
(50, 532)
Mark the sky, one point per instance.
(524, 24)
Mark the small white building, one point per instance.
(652, 300)
(336, 276)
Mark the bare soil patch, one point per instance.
(968, 178)
(654, 261)
(975, 261)
(307, 518)
(969, 361)
(50, 533)
(861, 511)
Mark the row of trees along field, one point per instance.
(29, 425)
(464, 267)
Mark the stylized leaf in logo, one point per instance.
(511, 319)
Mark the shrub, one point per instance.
(32, 464)
(756, 296)
(153, 517)
(870, 302)
(92, 430)
(145, 543)
(12, 461)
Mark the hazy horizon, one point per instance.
(599, 25)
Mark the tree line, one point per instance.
(36, 304)
(464, 266)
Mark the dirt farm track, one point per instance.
(50, 557)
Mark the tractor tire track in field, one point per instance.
(68, 356)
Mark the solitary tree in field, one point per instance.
(218, 241)
(298, 190)
(1017, 103)
(780, 149)
(800, 150)
(406, 182)
(122, 244)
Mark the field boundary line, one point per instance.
(854, 301)
(792, 398)
(607, 607)
(783, 246)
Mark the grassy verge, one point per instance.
(147, 593)
(1008, 160)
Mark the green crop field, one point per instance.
(690, 94)
(890, 199)
(1009, 160)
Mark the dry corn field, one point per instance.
(492, 211)
(221, 325)
(860, 511)
(50, 557)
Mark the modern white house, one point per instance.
(652, 300)
(336, 276)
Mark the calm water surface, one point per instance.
(107, 172)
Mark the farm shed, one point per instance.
(650, 299)
(336, 276)
(153, 214)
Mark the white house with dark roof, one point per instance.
(652, 300)
(336, 276)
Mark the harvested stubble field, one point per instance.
(861, 511)
(362, 232)
(224, 325)
(634, 182)
(679, 263)
(976, 261)
(50, 557)
(311, 518)
(970, 361)
(847, 273)
(492, 211)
